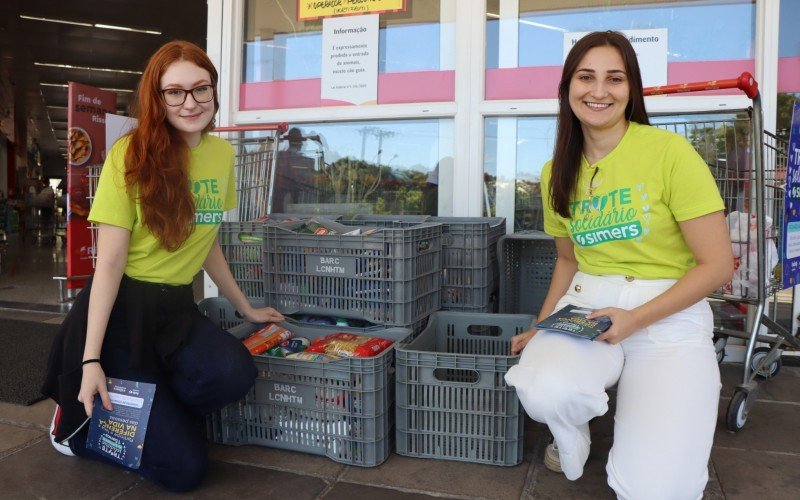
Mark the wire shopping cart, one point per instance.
(256, 150)
(255, 147)
(749, 166)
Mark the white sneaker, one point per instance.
(63, 446)
(551, 458)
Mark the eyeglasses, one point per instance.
(176, 97)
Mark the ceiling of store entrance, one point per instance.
(24, 88)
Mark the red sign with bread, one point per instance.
(86, 146)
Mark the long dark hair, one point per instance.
(569, 136)
(157, 159)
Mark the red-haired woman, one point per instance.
(158, 206)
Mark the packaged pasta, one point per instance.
(349, 345)
(311, 356)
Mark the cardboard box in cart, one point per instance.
(452, 400)
(340, 409)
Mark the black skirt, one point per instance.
(150, 319)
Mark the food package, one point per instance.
(743, 228)
(311, 356)
(296, 344)
(349, 345)
(266, 338)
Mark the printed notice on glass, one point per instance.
(308, 10)
(350, 60)
(790, 261)
(651, 51)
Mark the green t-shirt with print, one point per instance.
(627, 206)
(213, 189)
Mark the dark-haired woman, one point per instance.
(160, 199)
(641, 238)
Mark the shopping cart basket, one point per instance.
(255, 148)
(749, 166)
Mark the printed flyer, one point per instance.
(572, 320)
(119, 434)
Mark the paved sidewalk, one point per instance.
(762, 461)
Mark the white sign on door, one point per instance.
(350, 59)
(651, 51)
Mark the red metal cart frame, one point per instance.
(761, 191)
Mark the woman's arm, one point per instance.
(563, 272)
(708, 239)
(112, 255)
(217, 267)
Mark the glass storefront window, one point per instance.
(380, 167)
(516, 148)
(706, 40)
(282, 56)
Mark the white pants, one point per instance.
(668, 388)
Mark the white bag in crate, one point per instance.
(743, 229)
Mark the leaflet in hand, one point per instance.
(119, 434)
(572, 320)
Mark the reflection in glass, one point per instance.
(279, 47)
(516, 148)
(386, 167)
(698, 31)
(531, 139)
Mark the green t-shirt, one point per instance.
(626, 222)
(214, 191)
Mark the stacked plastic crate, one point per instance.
(242, 244)
(342, 408)
(526, 263)
(469, 256)
(452, 401)
(391, 276)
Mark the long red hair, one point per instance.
(157, 159)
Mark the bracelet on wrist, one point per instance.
(87, 361)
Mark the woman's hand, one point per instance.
(93, 382)
(518, 342)
(262, 315)
(623, 324)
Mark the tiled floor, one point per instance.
(762, 461)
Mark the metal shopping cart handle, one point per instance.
(745, 82)
(279, 127)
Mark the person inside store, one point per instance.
(295, 175)
(46, 202)
(641, 238)
(159, 202)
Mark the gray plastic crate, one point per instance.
(222, 313)
(469, 256)
(453, 402)
(391, 277)
(526, 262)
(340, 409)
(381, 220)
(241, 243)
(469, 262)
(282, 217)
